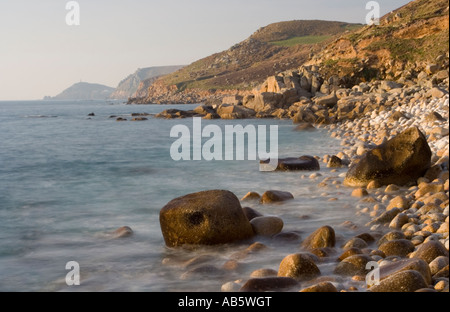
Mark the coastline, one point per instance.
(405, 220)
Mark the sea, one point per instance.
(70, 175)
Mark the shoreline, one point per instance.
(396, 213)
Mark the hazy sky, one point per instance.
(41, 55)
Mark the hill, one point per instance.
(128, 86)
(85, 91)
(405, 42)
(271, 49)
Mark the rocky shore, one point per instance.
(395, 143)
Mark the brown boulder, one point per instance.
(268, 284)
(321, 238)
(204, 218)
(299, 267)
(405, 281)
(275, 196)
(399, 161)
(431, 250)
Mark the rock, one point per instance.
(389, 85)
(251, 213)
(275, 196)
(374, 184)
(428, 188)
(306, 163)
(324, 287)
(321, 238)
(404, 265)
(397, 247)
(269, 284)
(230, 287)
(352, 251)
(355, 242)
(267, 226)
(334, 162)
(431, 250)
(399, 161)
(91, 115)
(287, 237)
(405, 281)
(121, 119)
(263, 273)
(437, 92)
(226, 111)
(442, 273)
(400, 220)
(431, 69)
(398, 202)
(391, 236)
(251, 196)
(122, 232)
(385, 217)
(204, 218)
(139, 119)
(353, 265)
(328, 100)
(299, 267)
(360, 192)
(438, 264)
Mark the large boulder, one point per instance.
(204, 218)
(227, 111)
(399, 161)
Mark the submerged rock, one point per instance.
(204, 218)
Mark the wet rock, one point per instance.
(251, 213)
(368, 238)
(385, 217)
(204, 218)
(267, 226)
(251, 196)
(276, 196)
(298, 266)
(397, 247)
(287, 237)
(269, 284)
(353, 265)
(438, 264)
(303, 163)
(324, 287)
(350, 252)
(360, 192)
(442, 273)
(404, 265)
(335, 162)
(123, 232)
(355, 242)
(431, 250)
(399, 161)
(405, 281)
(321, 238)
(399, 220)
(264, 273)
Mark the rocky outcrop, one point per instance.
(399, 161)
(204, 218)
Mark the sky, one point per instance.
(40, 54)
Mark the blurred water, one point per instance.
(66, 180)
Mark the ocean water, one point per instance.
(68, 180)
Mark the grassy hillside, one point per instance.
(272, 49)
(406, 40)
